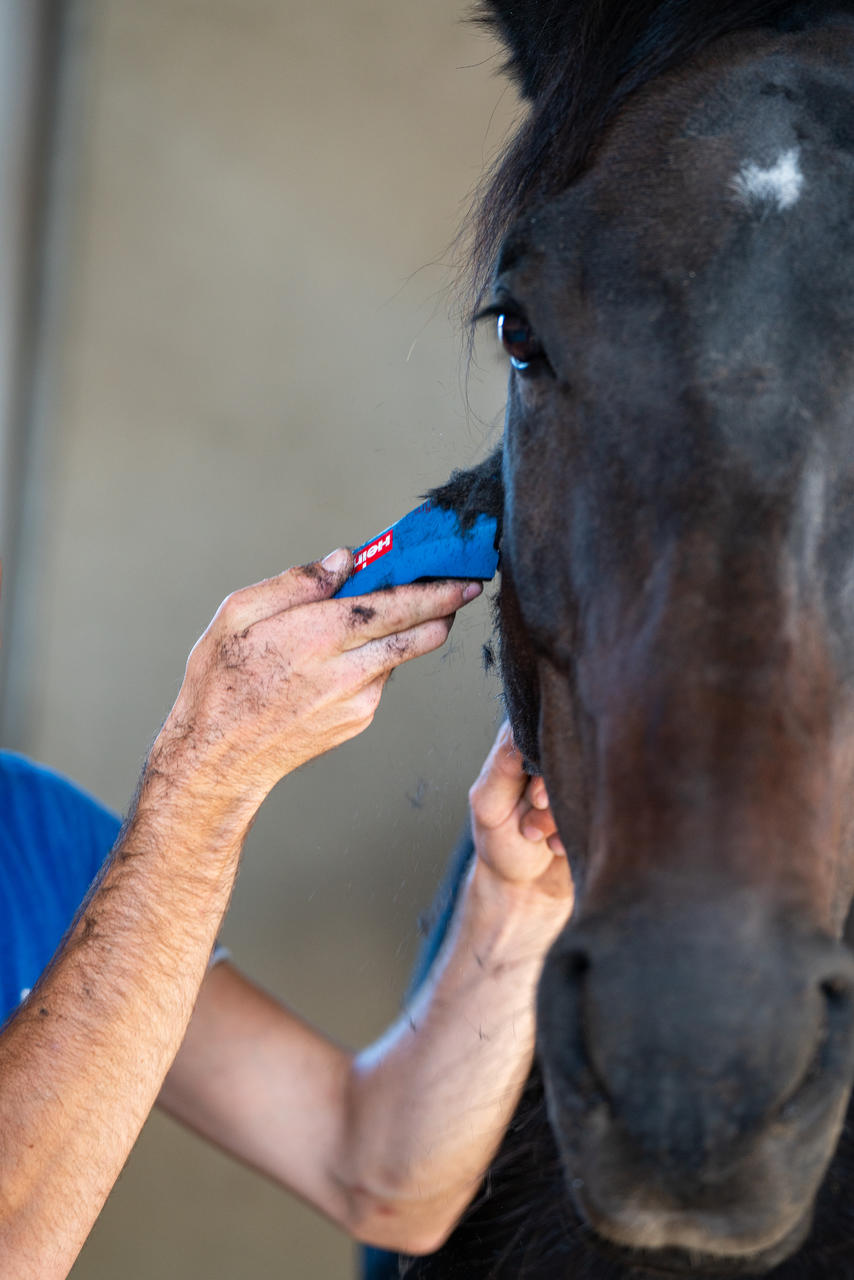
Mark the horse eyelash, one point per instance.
(492, 311)
(502, 304)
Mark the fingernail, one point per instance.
(533, 833)
(336, 560)
(472, 591)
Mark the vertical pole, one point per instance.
(38, 44)
(21, 30)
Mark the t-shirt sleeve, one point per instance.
(55, 823)
(90, 829)
(53, 840)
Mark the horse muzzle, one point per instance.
(697, 1071)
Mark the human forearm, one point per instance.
(82, 1061)
(283, 673)
(428, 1104)
(392, 1143)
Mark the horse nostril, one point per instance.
(833, 1046)
(564, 1012)
(836, 991)
(838, 1024)
(576, 965)
(837, 1017)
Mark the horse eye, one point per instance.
(519, 341)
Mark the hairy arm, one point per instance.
(82, 1061)
(391, 1143)
(282, 674)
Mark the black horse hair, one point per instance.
(577, 61)
(474, 492)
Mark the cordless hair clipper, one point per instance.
(427, 543)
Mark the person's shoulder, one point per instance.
(19, 770)
(54, 838)
(31, 785)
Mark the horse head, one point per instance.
(675, 289)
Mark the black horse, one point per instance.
(669, 248)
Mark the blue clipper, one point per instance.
(427, 543)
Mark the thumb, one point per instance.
(304, 584)
(318, 580)
(501, 783)
(337, 567)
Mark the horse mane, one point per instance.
(576, 61)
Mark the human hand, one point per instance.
(284, 673)
(514, 831)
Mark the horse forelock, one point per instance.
(577, 62)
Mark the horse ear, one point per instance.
(534, 32)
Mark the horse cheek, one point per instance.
(562, 732)
(518, 673)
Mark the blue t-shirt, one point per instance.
(53, 840)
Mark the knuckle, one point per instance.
(475, 796)
(400, 647)
(365, 702)
(229, 612)
(371, 697)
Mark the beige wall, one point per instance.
(258, 364)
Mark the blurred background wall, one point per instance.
(244, 356)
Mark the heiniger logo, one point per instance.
(379, 547)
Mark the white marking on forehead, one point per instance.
(814, 502)
(780, 186)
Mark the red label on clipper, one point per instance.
(379, 547)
